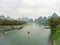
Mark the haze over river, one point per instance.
(37, 36)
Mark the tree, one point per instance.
(53, 22)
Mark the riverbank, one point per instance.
(56, 35)
(7, 28)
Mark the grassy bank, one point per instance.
(11, 24)
(56, 35)
(5, 28)
(54, 23)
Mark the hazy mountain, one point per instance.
(36, 20)
(54, 15)
(41, 20)
(9, 18)
(31, 20)
(2, 17)
(26, 19)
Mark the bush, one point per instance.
(56, 35)
(53, 22)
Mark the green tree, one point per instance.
(53, 22)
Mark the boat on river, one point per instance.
(28, 32)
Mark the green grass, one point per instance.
(56, 35)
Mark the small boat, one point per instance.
(28, 32)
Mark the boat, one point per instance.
(28, 32)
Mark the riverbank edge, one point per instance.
(7, 28)
(52, 39)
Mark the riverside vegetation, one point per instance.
(8, 24)
(54, 24)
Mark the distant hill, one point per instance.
(41, 20)
(26, 19)
(44, 20)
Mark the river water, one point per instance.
(37, 36)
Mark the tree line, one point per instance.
(11, 22)
(53, 23)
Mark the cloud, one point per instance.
(29, 8)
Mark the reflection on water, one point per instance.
(33, 34)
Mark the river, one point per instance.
(37, 36)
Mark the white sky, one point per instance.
(29, 8)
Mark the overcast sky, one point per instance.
(29, 8)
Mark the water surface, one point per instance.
(37, 36)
